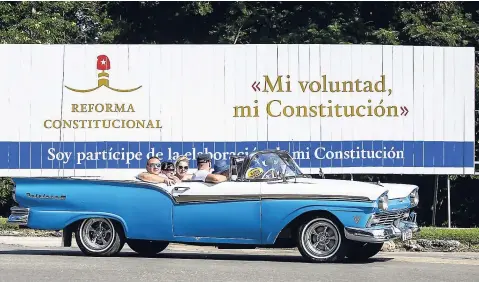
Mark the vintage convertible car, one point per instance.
(267, 202)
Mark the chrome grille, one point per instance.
(388, 217)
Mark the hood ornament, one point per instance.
(379, 183)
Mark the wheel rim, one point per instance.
(321, 238)
(97, 234)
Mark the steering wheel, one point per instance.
(272, 173)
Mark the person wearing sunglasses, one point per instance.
(154, 174)
(168, 168)
(181, 168)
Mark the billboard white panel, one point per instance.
(104, 109)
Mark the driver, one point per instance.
(220, 173)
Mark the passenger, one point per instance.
(181, 168)
(220, 173)
(168, 168)
(153, 172)
(204, 166)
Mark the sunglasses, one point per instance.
(183, 167)
(155, 165)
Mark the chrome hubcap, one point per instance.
(97, 234)
(321, 239)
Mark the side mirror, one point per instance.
(321, 174)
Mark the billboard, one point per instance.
(97, 110)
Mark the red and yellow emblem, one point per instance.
(103, 65)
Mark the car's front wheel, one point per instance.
(321, 240)
(147, 247)
(358, 251)
(99, 237)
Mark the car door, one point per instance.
(225, 212)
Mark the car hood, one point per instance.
(341, 188)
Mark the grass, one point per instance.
(466, 236)
(4, 225)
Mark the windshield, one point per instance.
(292, 165)
(272, 166)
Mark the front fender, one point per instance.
(347, 216)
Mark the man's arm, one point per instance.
(215, 178)
(174, 178)
(155, 178)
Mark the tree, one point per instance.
(56, 23)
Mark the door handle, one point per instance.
(180, 189)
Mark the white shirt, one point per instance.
(200, 175)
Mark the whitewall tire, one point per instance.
(99, 237)
(321, 240)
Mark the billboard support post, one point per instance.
(434, 201)
(448, 202)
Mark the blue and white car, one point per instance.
(266, 202)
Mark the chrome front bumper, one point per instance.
(19, 215)
(380, 234)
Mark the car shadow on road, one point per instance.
(188, 255)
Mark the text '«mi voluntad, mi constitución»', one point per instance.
(328, 109)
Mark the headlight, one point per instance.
(383, 202)
(414, 197)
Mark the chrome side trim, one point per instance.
(380, 234)
(128, 183)
(19, 215)
(315, 197)
(214, 198)
(180, 198)
(206, 198)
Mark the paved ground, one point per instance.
(40, 259)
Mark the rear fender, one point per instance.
(98, 214)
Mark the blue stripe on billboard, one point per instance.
(100, 155)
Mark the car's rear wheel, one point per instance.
(321, 240)
(100, 237)
(358, 251)
(147, 247)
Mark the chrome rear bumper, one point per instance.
(19, 215)
(380, 234)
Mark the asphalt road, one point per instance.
(20, 263)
